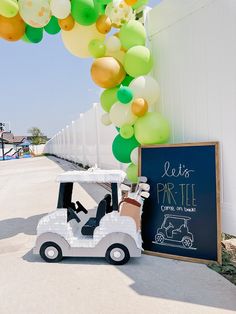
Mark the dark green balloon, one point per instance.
(35, 35)
(122, 148)
(52, 27)
(85, 12)
(127, 80)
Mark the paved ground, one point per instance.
(30, 286)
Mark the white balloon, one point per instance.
(105, 119)
(134, 156)
(113, 43)
(146, 87)
(121, 114)
(60, 8)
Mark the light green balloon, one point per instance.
(9, 8)
(138, 61)
(132, 173)
(97, 48)
(132, 34)
(108, 98)
(26, 39)
(127, 131)
(152, 128)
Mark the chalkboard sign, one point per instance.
(181, 219)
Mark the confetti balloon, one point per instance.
(9, 8)
(85, 12)
(60, 8)
(36, 13)
(121, 115)
(107, 72)
(152, 128)
(77, 40)
(138, 61)
(146, 87)
(103, 24)
(119, 13)
(108, 98)
(12, 29)
(139, 107)
(67, 24)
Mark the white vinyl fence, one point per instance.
(194, 48)
(86, 141)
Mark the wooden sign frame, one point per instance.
(218, 201)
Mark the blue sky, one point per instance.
(44, 85)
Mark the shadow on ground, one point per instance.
(167, 279)
(13, 226)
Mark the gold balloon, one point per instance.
(13, 28)
(139, 107)
(103, 24)
(107, 72)
(67, 24)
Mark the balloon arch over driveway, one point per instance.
(121, 65)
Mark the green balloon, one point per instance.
(9, 8)
(104, 1)
(97, 48)
(84, 12)
(52, 27)
(152, 128)
(125, 95)
(139, 4)
(132, 173)
(127, 131)
(35, 35)
(132, 34)
(138, 61)
(108, 98)
(127, 80)
(122, 148)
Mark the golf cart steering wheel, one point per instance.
(72, 215)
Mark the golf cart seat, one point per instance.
(92, 223)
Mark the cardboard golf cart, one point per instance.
(113, 232)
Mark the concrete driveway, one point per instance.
(83, 285)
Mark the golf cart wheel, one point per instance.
(117, 254)
(159, 238)
(51, 252)
(187, 242)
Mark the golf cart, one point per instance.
(108, 231)
(175, 229)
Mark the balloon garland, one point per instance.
(121, 65)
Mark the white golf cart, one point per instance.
(110, 233)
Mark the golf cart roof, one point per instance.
(177, 217)
(93, 175)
